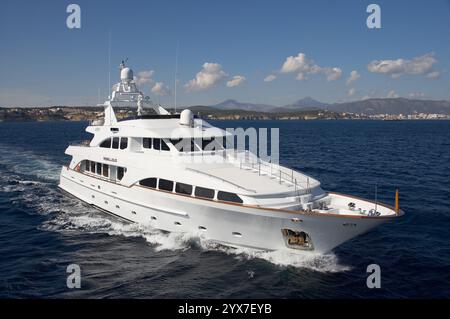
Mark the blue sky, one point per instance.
(45, 63)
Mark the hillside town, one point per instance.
(84, 113)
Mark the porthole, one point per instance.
(133, 212)
(177, 223)
(93, 196)
(153, 218)
(237, 234)
(106, 202)
(117, 206)
(202, 228)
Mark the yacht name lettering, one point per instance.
(110, 159)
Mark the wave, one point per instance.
(37, 192)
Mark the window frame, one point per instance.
(114, 139)
(204, 188)
(104, 141)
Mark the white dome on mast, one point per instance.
(126, 74)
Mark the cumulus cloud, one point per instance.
(303, 66)
(422, 65)
(301, 77)
(351, 92)
(354, 75)
(235, 81)
(210, 75)
(392, 94)
(144, 77)
(160, 89)
(433, 75)
(332, 73)
(270, 78)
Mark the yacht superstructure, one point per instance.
(174, 172)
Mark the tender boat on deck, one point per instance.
(174, 172)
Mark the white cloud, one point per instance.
(351, 92)
(210, 75)
(416, 95)
(235, 81)
(354, 75)
(332, 73)
(160, 89)
(303, 66)
(270, 78)
(422, 65)
(301, 77)
(392, 94)
(144, 77)
(433, 75)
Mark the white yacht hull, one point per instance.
(229, 224)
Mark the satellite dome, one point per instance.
(187, 118)
(126, 74)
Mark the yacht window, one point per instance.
(164, 146)
(99, 169)
(183, 188)
(175, 142)
(120, 172)
(165, 185)
(157, 144)
(186, 145)
(115, 143)
(106, 143)
(147, 142)
(229, 197)
(87, 165)
(105, 170)
(205, 143)
(93, 167)
(149, 182)
(204, 192)
(123, 143)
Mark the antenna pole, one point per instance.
(176, 76)
(109, 64)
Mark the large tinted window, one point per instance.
(149, 182)
(87, 166)
(164, 146)
(147, 142)
(165, 185)
(229, 197)
(205, 143)
(93, 167)
(123, 143)
(183, 188)
(204, 192)
(99, 169)
(106, 143)
(120, 172)
(157, 143)
(115, 143)
(105, 170)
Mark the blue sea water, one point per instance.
(42, 231)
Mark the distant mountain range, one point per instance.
(369, 106)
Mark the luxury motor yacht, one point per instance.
(177, 173)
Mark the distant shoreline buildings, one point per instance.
(83, 113)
